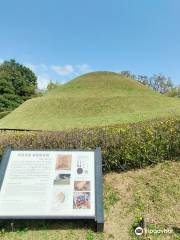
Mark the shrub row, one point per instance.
(123, 147)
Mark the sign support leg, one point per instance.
(99, 191)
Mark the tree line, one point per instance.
(158, 82)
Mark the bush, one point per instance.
(123, 147)
(9, 102)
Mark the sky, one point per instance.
(61, 39)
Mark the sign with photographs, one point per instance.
(51, 184)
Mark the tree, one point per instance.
(143, 79)
(17, 84)
(161, 83)
(175, 92)
(128, 74)
(52, 85)
(6, 87)
(9, 102)
(22, 78)
(158, 82)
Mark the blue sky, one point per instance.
(61, 39)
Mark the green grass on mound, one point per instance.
(94, 99)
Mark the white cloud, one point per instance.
(42, 73)
(1, 61)
(31, 66)
(37, 68)
(43, 81)
(63, 70)
(58, 73)
(83, 68)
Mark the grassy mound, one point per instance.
(94, 99)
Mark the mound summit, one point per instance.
(93, 99)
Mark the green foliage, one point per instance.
(9, 102)
(6, 87)
(52, 86)
(110, 197)
(17, 84)
(123, 147)
(175, 92)
(90, 235)
(138, 221)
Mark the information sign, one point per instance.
(51, 184)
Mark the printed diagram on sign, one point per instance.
(82, 166)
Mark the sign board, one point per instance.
(51, 184)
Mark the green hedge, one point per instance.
(123, 147)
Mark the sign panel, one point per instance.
(50, 184)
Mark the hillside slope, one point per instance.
(93, 99)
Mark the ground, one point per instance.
(152, 193)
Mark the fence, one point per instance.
(18, 130)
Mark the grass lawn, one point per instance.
(94, 99)
(152, 193)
